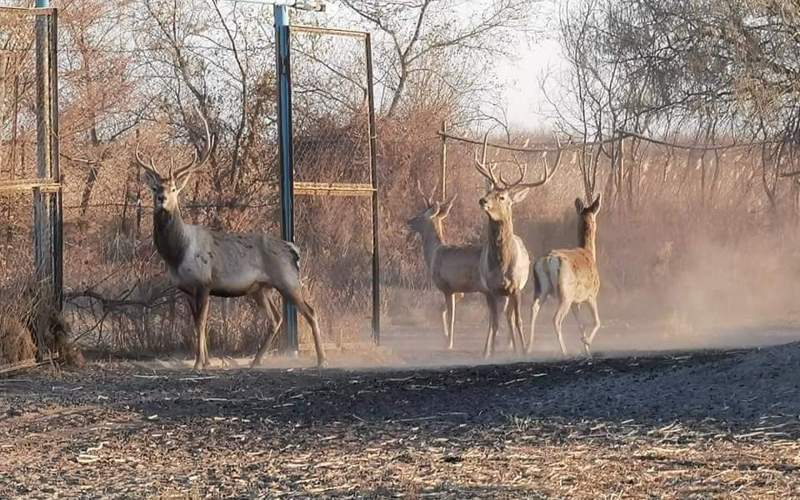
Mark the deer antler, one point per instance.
(486, 170)
(548, 172)
(428, 199)
(148, 168)
(523, 170)
(197, 160)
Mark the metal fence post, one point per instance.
(44, 203)
(56, 197)
(373, 161)
(283, 69)
(444, 160)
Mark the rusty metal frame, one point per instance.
(46, 187)
(354, 189)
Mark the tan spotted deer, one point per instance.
(571, 275)
(453, 269)
(505, 264)
(203, 262)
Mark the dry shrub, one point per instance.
(16, 342)
(18, 304)
(24, 309)
(57, 340)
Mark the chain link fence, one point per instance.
(118, 295)
(333, 177)
(30, 228)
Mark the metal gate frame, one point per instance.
(46, 187)
(353, 189)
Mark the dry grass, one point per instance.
(16, 342)
(695, 425)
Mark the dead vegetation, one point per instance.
(28, 324)
(683, 425)
(16, 342)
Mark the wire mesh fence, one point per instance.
(17, 142)
(332, 148)
(118, 294)
(29, 190)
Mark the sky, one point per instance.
(527, 103)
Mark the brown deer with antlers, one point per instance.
(204, 263)
(505, 264)
(571, 275)
(454, 269)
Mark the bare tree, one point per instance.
(440, 43)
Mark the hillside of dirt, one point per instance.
(694, 424)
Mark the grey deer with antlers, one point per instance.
(571, 275)
(505, 264)
(454, 269)
(203, 262)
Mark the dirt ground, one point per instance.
(721, 423)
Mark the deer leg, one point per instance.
(192, 300)
(295, 297)
(504, 302)
(273, 317)
(451, 312)
(200, 310)
(575, 309)
(558, 319)
(445, 308)
(512, 340)
(491, 303)
(535, 307)
(517, 298)
(596, 315)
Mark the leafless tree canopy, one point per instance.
(704, 76)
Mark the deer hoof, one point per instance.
(322, 363)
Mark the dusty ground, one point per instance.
(709, 424)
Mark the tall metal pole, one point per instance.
(443, 177)
(285, 146)
(376, 207)
(43, 263)
(56, 198)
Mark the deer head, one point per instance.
(502, 194)
(587, 222)
(588, 212)
(433, 213)
(166, 189)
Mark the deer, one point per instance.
(505, 262)
(571, 275)
(453, 269)
(202, 262)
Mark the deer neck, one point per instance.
(432, 240)
(501, 242)
(169, 234)
(588, 235)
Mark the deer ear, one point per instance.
(596, 205)
(579, 206)
(519, 194)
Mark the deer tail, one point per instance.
(545, 275)
(553, 270)
(295, 254)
